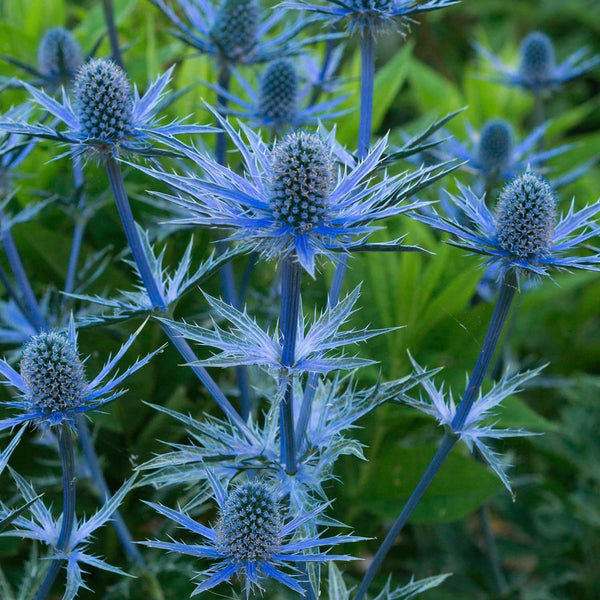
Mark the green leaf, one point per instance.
(516, 414)
(461, 486)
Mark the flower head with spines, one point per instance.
(108, 116)
(339, 207)
(53, 384)
(236, 32)
(537, 71)
(253, 537)
(58, 55)
(281, 101)
(525, 232)
(369, 17)
(493, 151)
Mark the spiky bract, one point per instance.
(58, 55)
(52, 372)
(278, 95)
(525, 217)
(104, 101)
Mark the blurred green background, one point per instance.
(549, 539)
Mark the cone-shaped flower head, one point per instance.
(278, 95)
(58, 55)
(249, 527)
(495, 146)
(537, 59)
(53, 374)
(104, 101)
(303, 176)
(525, 217)
(235, 31)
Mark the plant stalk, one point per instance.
(501, 309)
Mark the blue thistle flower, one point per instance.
(278, 92)
(103, 101)
(495, 146)
(494, 152)
(293, 200)
(525, 232)
(58, 55)
(278, 102)
(368, 17)
(537, 60)
(109, 117)
(235, 32)
(53, 383)
(537, 71)
(251, 537)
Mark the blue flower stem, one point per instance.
(291, 285)
(11, 291)
(65, 446)
(16, 264)
(226, 271)
(539, 116)
(508, 288)
(492, 548)
(117, 185)
(318, 89)
(80, 224)
(367, 82)
(109, 17)
(87, 445)
(202, 374)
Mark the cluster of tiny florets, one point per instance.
(537, 58)
(58, 55)
(495, 145)
(235, 31)
(278, 99)
(53, 374)
(525, 217)
(303, 176)
(104, 101)
(249, 526)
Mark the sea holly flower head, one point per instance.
(253, 537)
(53, 383)
(294, 199)
(58, 56)
(525, 232)
(537, 71)
(282, 101)
(236, 31)
(368, 17)
(493, 151)
(108, 116)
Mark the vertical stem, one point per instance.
(492, 548)
(117, 185)
(87, 445)
(291, 284)
(65, 445)
(109, 17)
(12, 292)
(318, 89)
(505, 297)
(226, 271)
(367, 80)
(80, 224)
(539, 116)
(14, 260)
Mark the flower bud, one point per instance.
(58, 55)
(278, 95)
